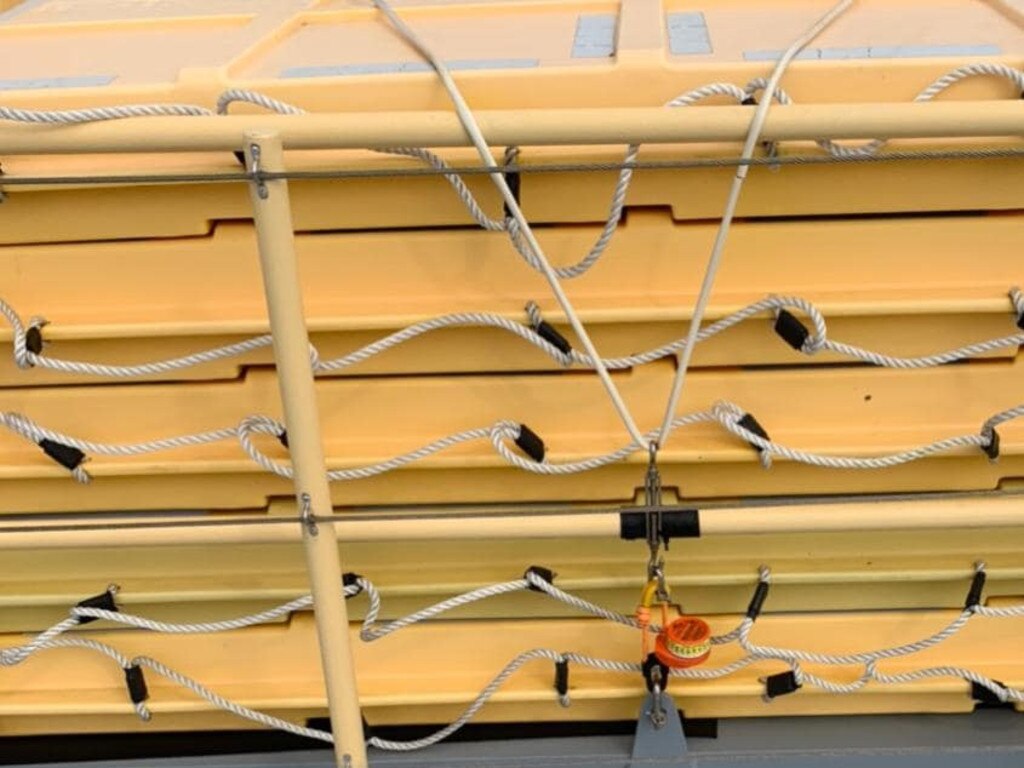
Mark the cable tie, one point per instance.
(540, 572)
(650, 664)
(780, 685)
(985, 695)
(34, 339)
(104, 601)
(749, 423)
(974, 593)
(67, 456)
(562, 677)
(991, 448)
(136, 684)
(757, 600)
(530, 443)
(546, 331)
(792, 331)
(282, 437)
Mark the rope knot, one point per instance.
(263, 425)
(745, 426)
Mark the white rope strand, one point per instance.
(469, 123)
(715, 259)
(816, 342)
(792, 658)
(99, 114)
(622, 184)
(727, 415)
(426, 156)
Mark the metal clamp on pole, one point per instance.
(275, 236)
(655, 522)
(256, 171)
(306, 515)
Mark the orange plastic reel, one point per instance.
(685, 642)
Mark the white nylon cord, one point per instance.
(51, 639)
(487, 157)
(727, 415)
(714, 261)
(98, 114)
(261, 100)
(867, 149)
(817, 341)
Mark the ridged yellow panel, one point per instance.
(101, 213)
(869, 570)
(169, 298)
(844, 411)
(429, 673)
(182, 275)
(343, 57)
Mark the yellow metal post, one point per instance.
(273, 220)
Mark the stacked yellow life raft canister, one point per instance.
(827, 521)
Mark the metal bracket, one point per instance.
(257, 172)
(663, 744)
(652, 501)
(306, 515)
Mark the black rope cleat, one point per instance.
(541, 573)
(791, 330)
(135, 682)
(529, 442)
(104, 601)
(67, 456)
(782, 684)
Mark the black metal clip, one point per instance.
(986, 697)
(562, 678)
(655, 521)
(67, 456)
(791, 330)
(991, 448)
(135, 681)
(530, 443)
(104, 601)
(977, 588)
(757, 600)
(540, 572)
(780, 685)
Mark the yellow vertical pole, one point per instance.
(275, 236)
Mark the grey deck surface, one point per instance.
(986, 739)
